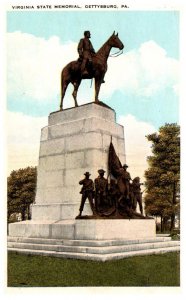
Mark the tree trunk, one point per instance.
(29, 212)
(23, 214)
(172, 226)
(8, 217)
(165, 222)
(161, 224)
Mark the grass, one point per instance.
(42, 271)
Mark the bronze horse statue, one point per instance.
(96, 69)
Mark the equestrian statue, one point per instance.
(89, 65)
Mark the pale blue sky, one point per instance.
(134, 28)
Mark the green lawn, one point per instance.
(42, 271)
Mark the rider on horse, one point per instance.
(86, 51)
(72, 72)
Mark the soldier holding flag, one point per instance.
(119, 172)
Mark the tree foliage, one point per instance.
(21, 191)
(163, 176)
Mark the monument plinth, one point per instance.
(76, 140)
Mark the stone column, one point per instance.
(76, 140)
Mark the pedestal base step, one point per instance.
(93, 229)
(101, 250)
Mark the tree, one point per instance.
(163, 176)
(21, 191)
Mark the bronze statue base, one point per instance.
(95, 102)
(115, 215)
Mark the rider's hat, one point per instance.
(101, 171)
(87, 173)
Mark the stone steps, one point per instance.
(96, 257)
(94, 250)
(86, 242)
(91, 249)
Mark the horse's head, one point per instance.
(115, 42)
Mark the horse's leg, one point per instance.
(76, 85)
(64, 85)
(98, 82)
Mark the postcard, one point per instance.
(93, 142)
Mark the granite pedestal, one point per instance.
(77, 140)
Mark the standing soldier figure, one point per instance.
(85, 50)
(113, 193)
(87, 191)
(101, 189)
(137, 194)
(123, 181)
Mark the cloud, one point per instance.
(136, 144)
(142, 72)
(35, 64)
(23, 139)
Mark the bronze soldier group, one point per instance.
(108, 197)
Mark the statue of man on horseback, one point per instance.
(85, 50)
(80, 69)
